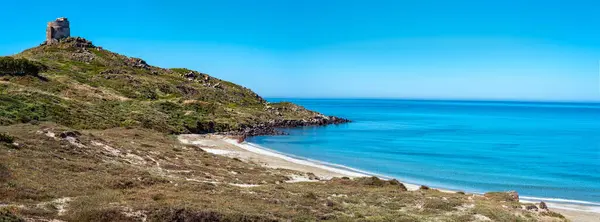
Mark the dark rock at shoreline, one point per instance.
(270, 128)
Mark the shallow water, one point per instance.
(548, 150)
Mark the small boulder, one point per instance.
(423, 187)
(330, 203)
(137, 63)
(190, 75)
(66, 134)
(531, 207)
(514, 195)
(312, 176)
(543, 205)
(16, 145)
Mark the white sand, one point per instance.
(219, 151)
(268, 153)
(221, 145)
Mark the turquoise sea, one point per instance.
(542, 150)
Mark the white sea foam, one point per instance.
(264, 151)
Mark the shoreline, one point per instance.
(563, 204)
(333, 168)
(222, 145)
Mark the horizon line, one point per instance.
(438, 99)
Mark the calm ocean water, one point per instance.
(549, 150)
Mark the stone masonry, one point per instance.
(57, 29)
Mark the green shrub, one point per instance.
(495, 214)
(128, 123)
(7, 216)
(503, 196)
(440, 204)
(552, 214)
(5, 138)
(371, 181)
(158, 197)
(4, 174)
(311, 195)
(12, 66)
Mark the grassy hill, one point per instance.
(86, 87)
(88, 135)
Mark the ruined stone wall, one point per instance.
(58, 29)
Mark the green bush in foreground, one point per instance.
(12, 66)
(7, 216)
(4, 137)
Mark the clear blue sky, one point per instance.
(524, 50)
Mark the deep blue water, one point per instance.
(549, 150)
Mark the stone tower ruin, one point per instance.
(57, 29)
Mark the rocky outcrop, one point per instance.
(137, 63)
(76, 42)
(202, 78)
(66, 134)
(190, 76)
(514, 196)
(270, 128)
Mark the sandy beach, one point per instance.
(225, 146)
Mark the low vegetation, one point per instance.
(90, 138)
(7, 216)
(125, 174)
(5, 138)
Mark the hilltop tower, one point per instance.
(57, 29)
